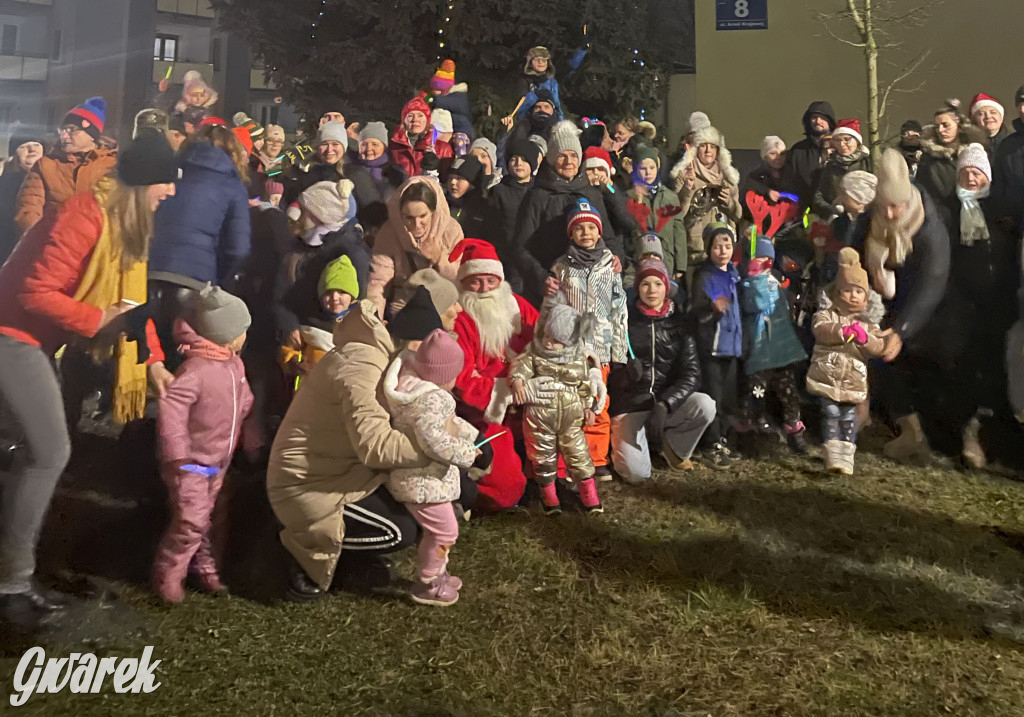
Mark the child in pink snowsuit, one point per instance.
(198, 427)
(418, 389)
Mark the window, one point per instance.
(8, 39)
(165, 47)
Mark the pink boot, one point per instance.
(588, 496)
(168, 586)
(549, 497)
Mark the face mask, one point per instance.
(541, 120)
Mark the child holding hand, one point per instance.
(555, 427)
(846, 335)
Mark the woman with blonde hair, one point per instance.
(202, 234)
(72, 279)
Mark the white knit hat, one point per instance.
(698, 121)
(860, 186)
(772, 143)
(974, 155)
(329, 203)
(565, 137)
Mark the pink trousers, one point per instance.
(192, 498)
(440, 531)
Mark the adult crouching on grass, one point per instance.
(72, 281)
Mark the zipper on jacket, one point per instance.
(234, 413)
(652, 358)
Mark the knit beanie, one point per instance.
(597, 158)
(543, 94)
(330, 203)
(416, 104)
(21, 134)
(764, 248)
(374, 130)
(488, 146)
(91, 115)
(565, 137)
(893, 179)
(698, 121)
(439, 359)
(911, 126)
(444, 79)
(582, 211)
(150, 119)
(442, 120)
(772, 143)
(651, 266)
(243, 137)
(974, 155)
(416, 319)
(712, 230)
(218, 316)
(650, 243)
(443, 293)
(647, 152)
(541, 144)
(339, 275)
(851, 273)
(147, 160)
(562, 324)
(471, 169)
(860, 186)
(254, 128)
(526, 149)
(332, 132)
(274, 132)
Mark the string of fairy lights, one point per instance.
(441, 40)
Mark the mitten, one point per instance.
(656, 423)
(598, 390)
(855, 332)
(430, 162)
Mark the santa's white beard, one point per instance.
(496, 315)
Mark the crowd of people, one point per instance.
(417, 326)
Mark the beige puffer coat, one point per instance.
(336, 444)
(839, 370)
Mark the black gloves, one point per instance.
(486, 457)
(430, 162)
(656, 423)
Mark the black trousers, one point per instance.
(719, 382)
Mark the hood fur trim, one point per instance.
(400, 398)
(709, 135)
(967, 134)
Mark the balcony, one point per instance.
(178, 70)
(23, 67)
(192, 8)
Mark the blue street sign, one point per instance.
(741, 14)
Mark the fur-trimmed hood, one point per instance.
(708, 135)
(459, 87)
(873, 313)
(968, 134)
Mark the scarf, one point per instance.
(890, 242)
(586, 258)
(712, 176)
(206, 349)
(858, 154)
(375, 166)
(103, 284)
(650, 313)
(973, 226)
(269, 163)
(315, 235)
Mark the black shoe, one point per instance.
(30, 609)
(589, 509)
(299, 586)
(363, 573)
(552, 510)
(763, 426)
(730, 453)
(717, 457)
(602, 474)
(797, 442)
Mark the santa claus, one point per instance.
(494, 326)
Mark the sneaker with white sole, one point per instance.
(439, 592)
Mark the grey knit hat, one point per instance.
(650, 243)
(218, 316)
(542, 144)
(332, 131)
(565, 137)
(443, 293)
(488, 146)
(374, 130)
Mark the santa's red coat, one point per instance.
(503, 485)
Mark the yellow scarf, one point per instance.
(103, 285)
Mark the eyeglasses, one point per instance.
(845, 139)
(70, 130)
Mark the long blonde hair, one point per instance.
(130, 217)
(225, 139)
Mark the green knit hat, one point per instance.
(714, 229)
(339, 275)
(645, 152)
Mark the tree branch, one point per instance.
(908, 70)
(840, 39)
(851, 6)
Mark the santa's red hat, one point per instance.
(850, 127)
(478, 257)
(981, 101)
(597, 157)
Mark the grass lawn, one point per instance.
(770, 590)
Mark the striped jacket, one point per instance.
(597, 289)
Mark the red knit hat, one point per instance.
(850, 127)
(219, 121)
(583, 211)
(981, 101)
(478, 257)
(439, 359)
(651, 266)
(597, 157)
(416, 104)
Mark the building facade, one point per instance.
(55, 53)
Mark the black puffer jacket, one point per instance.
(667, 350)
(1008, 175)
(506, 198)
(541, 236)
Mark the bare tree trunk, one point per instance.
(871, 55)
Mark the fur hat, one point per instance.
(439, 358)
(650, 243)
(860, 186)
(330, 203)
(771, 143)
(274, 132)
(851, 273)
(538, 51)
(476, 257)
(974, 155)
(442, 120)
(218, 316)
(565, 137)
(893, 179)
(444, 79)
(332, 131)
(709, 135)
(652, 266)
(339, 275)
(443, 293)
(849, 127)
(374, 130)
(582, 211)
(599, 158)
(980, 101)
(698, 121)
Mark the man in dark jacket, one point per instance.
(506, 198)
(654, 398)
(541, 237)
(1008, 173)
(807, 156)
(466, 200)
